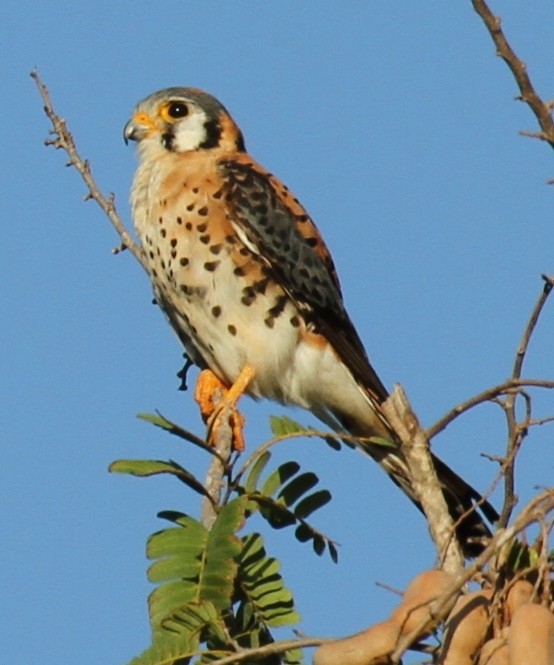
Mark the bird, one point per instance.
(249, 286)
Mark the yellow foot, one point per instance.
(215, 400)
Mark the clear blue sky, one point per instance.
(396, 126)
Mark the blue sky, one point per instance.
(396, 126)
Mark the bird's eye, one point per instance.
(177, 110)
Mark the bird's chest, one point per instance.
(218, 295)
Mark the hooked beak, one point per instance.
(138, 127)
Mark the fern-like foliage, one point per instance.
(217, 591)
(283, 498)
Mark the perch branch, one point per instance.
(415, 447)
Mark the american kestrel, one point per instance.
(249, 286)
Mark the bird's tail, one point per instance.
(468, 509)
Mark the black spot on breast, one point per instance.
(210, 266)
(188, 226)
(179, 220)
(173, 242)
(278, 308)
(311, 242)
(203, 211)
(201, 227)
(239, 271)
(249, 296)
(295, 321)
(232, 329)
(205, 238)
(191, 206)
(216, 249)
(184, 261)
(163, 233)
(261, 285)
(216, 311)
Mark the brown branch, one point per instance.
(423, 477)
(531, 324)
(542, 110)
(271, 649)
(486, 396)
(63, 140)
(517, 432)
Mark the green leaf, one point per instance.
(143, 468)
(284, 426)
(137, 467)
(256, 471)
(297, 487)
(194, 564)
(279, 477)
(312, 503)
(166, 651)
(265, 596)
(164, 423)
(382, 441)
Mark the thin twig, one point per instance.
(63, 140)
(271, 649)
(531, 325)
(516, 432)
(541, 109)
(485, 396)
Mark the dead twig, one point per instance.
(63, 140)
(541, 109)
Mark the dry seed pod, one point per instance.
(520, 594)
(494, 652)
(422, 590)
(372, 645)
(466, 628)
(531, 636)
(364, 648)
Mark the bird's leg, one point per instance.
(215, 399)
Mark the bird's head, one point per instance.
(180, 120)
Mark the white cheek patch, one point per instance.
(189, 133)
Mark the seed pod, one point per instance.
(531, 636)
(466, 628)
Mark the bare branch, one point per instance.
(529, 329)
(63, 140)
(415, 447)
(541, 109)
(486, 396)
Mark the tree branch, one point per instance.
(423, 477)
(542, 111)
(510, 385)
(63, 140)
